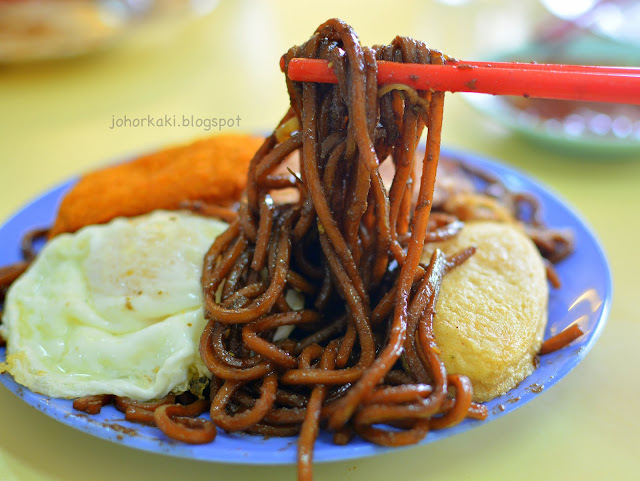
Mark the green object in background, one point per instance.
(588, 129)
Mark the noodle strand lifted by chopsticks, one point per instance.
(353, 250)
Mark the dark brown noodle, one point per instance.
(352, 248)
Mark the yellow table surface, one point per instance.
(55, 121)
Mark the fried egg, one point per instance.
(113, 308)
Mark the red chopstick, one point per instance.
(568, 82)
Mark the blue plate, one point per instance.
(585, 298)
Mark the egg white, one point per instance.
(114, 308)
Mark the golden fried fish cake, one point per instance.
(212, 170)
(492, 310)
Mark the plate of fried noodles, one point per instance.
(359, 370)
(585, 296)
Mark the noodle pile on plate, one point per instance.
(353, 249)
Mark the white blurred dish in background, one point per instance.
(615, 19)
(32, 30)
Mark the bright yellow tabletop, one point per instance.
(55, 121)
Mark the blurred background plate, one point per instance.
(37, 30)
(589, 129)
(617, 20)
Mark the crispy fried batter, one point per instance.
(213, 170)
(492, 310)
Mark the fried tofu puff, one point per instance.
(492, 310)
